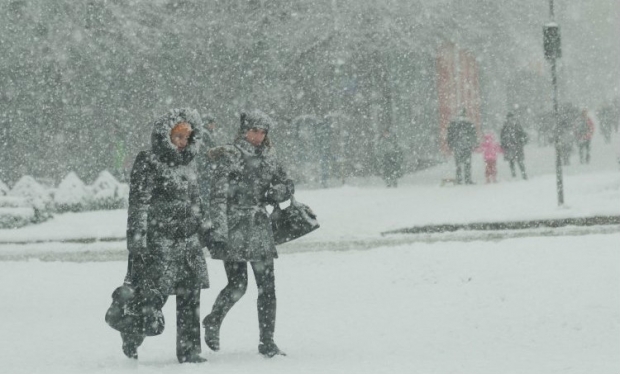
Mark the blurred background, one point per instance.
(81, 81)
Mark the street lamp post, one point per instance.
(553, 51)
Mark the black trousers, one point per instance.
(584, 152)
(237, 274)
(513, 170)
(463, 166)
(188, 323)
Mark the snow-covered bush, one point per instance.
(15, 212)
(4, 189)
(72, 195)
(108, 193)
(36, 196)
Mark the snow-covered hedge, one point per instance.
(30, 202)
(27, 202)
(15, 212)
(72, 195)
(108, 193)
(4, 189)
(36, 196)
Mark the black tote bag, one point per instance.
(292, 222)
(132, 310)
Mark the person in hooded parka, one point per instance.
(513, 139)
(391, 159)
(164, 221)
(462, 139)
(247, 177)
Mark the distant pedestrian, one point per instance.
(584, 129)
(210, 139)
(210, 132)
(566, 140)
(391, 159)
(462, 140)
(323, 146)
(513, 139)
(608, 116)
(490, 148)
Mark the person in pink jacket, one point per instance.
(490, 148)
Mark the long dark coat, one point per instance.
(245, 179)
(461, 137)
(391, 156)
(165, 217)
(513, 138)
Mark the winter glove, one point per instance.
(277, 194)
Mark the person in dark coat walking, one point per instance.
(247, 176)
(163, 225)
(584, 129)
(462, 140)
(513, 139)
(566, 139)
(391, 159)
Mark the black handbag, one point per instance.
(292, 222)
(133, 311)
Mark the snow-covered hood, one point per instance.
(160, 137)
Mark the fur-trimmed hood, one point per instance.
(160, 137)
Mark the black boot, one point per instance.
(212, 333)
(269, 349)
(267, 324)
(188, 325)
(193, 358)
(131, 343)
(130, 350)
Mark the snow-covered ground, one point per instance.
(446, 303)
(529, 305)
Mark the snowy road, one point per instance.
(523, 305)
(117, 251)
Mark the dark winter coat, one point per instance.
(512, 139)
(584, 129)
(245, 179)
(391, 158)
(165, 217)
(461, 137)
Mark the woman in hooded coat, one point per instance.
(246, 177)
(164, 221)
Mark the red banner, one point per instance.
(457, 87)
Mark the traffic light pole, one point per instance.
(558, 132)
(553, 51)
